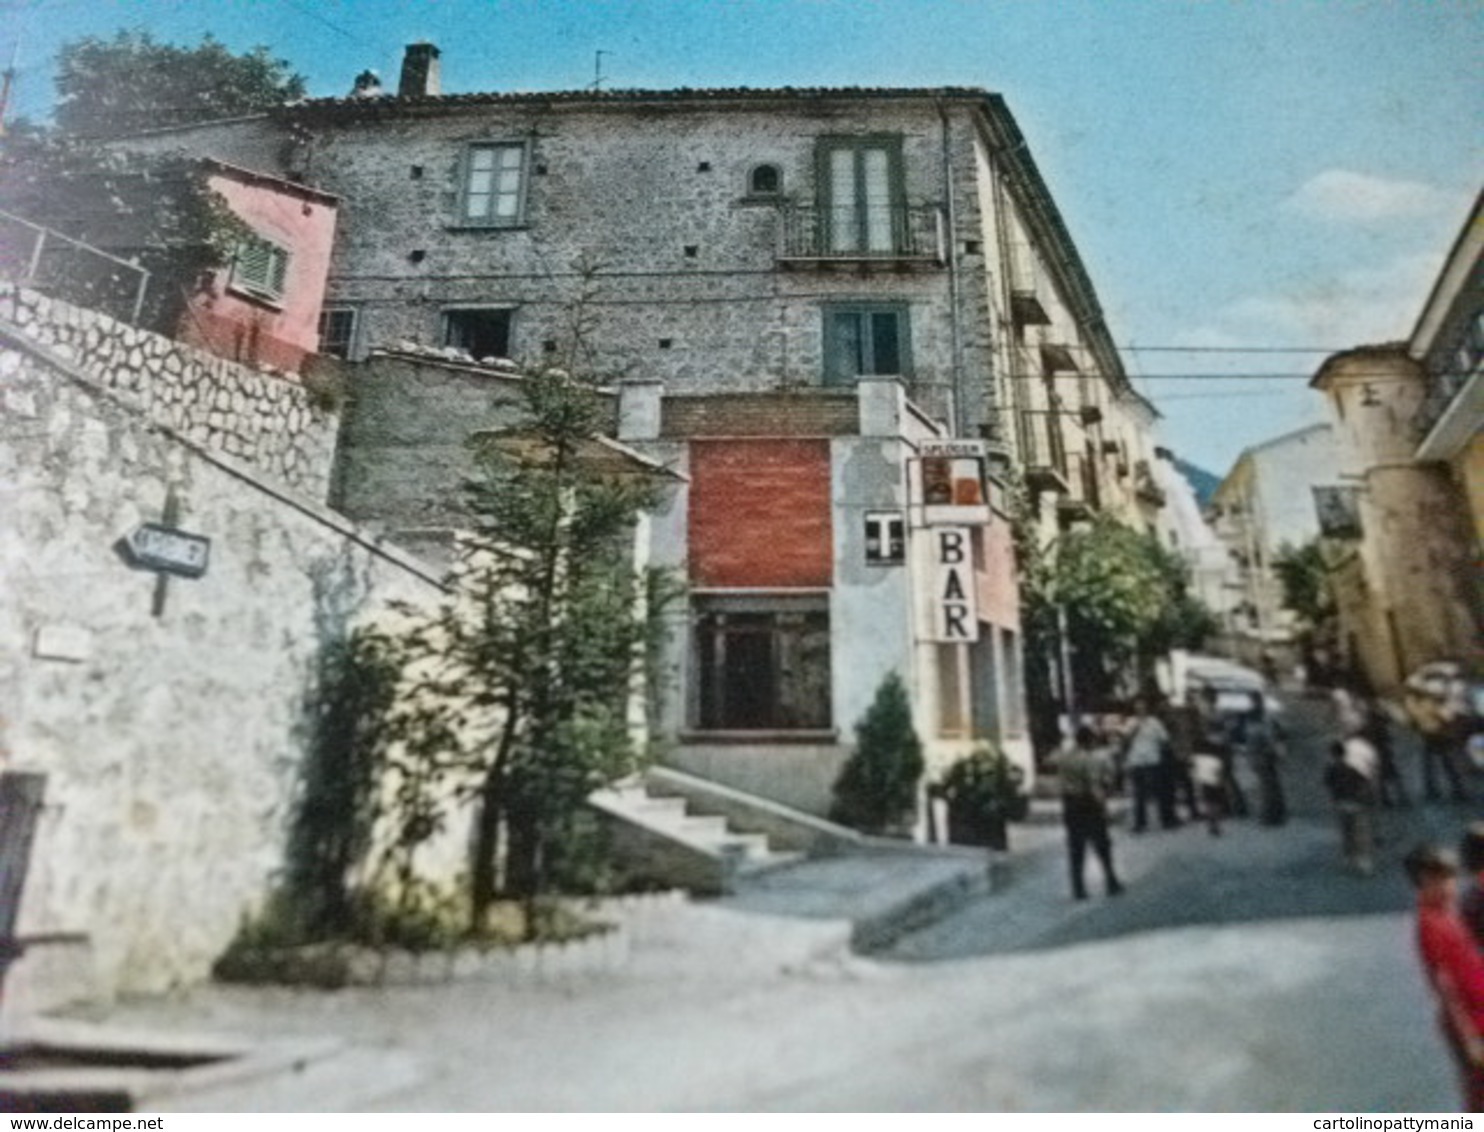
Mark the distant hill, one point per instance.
(1204, 483)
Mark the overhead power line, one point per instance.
(1235, 349)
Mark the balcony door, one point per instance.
(861, 183)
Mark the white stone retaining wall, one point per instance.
(172, 739)
(263, 417)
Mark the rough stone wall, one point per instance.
(1420, 564)
(404, 453)
(268, 420)
(689, 291)
(760, 414)
(172, 743)
(628, 190)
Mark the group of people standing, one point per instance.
(1363, 774)
(1167, 756)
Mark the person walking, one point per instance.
(1350, 791)
(1085, 771)
(1183, 722)
(1148, 742)
(1391, 791)
(1265, 754)
(1348, 704)
(1453, 966)
(1210, 781)
(1220, 740)
(1432, 719)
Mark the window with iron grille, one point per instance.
(337, 331)
(259, 268)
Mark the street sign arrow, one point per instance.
(157, 547)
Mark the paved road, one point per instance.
(1246, 973)
(1186, 877)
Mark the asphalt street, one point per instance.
(1186, 877)
(1243, 973)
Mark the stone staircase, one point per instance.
(675, 830)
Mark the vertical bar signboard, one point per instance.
(954, 617)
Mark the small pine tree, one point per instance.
(877, 787)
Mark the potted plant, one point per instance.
(985, 792)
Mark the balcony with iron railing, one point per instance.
(1043, 453)
(1146, 489)
(898, 235)
(1084, 499)
(1444, 391)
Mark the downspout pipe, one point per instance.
(958, 415)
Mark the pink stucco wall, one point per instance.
(235, 325)
(997, 588)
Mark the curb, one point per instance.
(880, 930)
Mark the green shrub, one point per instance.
(987, 783)
(877, 788)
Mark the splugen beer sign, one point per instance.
(950, 481)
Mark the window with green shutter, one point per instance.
(259, 268)
(861, 194)
(867, 339)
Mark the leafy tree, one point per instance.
(1126, 601)
(107, 87)
(1121, 598)
(531, 670)
(334, 818)
(1304, 576)
(154, 211)
(877, 787)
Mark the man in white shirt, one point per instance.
(1147, 742)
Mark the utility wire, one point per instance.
(1234, 349)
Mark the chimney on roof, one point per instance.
(367, 85)
(420, 78)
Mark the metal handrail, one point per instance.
(43, 235)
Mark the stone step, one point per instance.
(698, 851)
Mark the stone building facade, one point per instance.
(1264, 505)
(771, 253)
(1406, 576)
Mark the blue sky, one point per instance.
(1267, 173)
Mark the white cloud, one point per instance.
(1342, 196)
(1348, 308)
